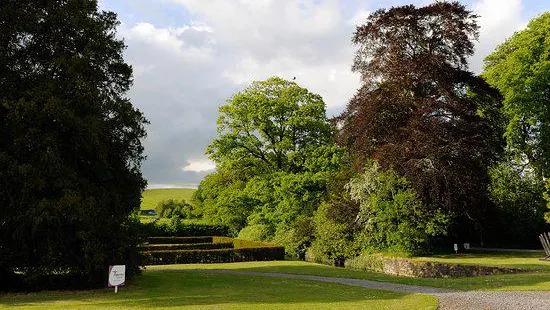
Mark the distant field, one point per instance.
(151, 197)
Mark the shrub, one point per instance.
(336, 233)
(244, 250)
(296, 238)
(392, 217)
(188, 246)
(180, 240)
(182, 229)
(518, 217)
(175, 208)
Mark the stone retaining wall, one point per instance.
(421, 269)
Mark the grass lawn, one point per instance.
(538, 278)
(151, 197)
(177, 288)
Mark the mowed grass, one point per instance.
(151, 197)
(538, 277)
(177, 288)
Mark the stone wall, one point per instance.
(421, 269)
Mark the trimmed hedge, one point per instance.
(241, 244)
(180, 240)
(182, 229)
(189, 246)
(213, 256)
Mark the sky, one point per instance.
(189, 56)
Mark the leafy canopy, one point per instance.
(418, 110)
(272, 125)
(520, 69)
(274, 154)
(70, 148)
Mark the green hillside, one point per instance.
(151, 197)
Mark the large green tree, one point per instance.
(419, 111)
(274, 154)
(520, 69)
(70, 149)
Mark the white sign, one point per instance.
(117, 275)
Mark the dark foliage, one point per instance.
(181, 229)
(213, 256)
(188, 246)
(70, 149)
(419, 111)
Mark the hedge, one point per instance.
(180, 240)
(212, 256)
(240, 243)
(182, 229)
(189, 246)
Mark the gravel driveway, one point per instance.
(460, 300)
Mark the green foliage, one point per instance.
(212, 256)
(520, 69)
(172, 208)
(70, 149)
(274, 155)
(238, 251)
(517, 194)
(337, 235)
(177, 227)
(547, 197)
(271, 126)
(188, 246)
(392, 217)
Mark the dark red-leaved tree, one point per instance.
(419, 111)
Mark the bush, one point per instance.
(175, 208)
(518, 217)
(336, 233)
(213, 256)
(181, 229)
(180, 240)
(392, 217)
(189, 246)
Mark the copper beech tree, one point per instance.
(419, 110)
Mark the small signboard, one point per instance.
(117, 276)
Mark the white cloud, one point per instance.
(199, 165)
(359, 17)
(172, 39)
(498, 20)
(309, 40)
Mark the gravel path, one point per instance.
(448, 299)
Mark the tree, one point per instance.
(519, 214)
(273, 125)
(274, 155)
(520, 69)
(70, 149)
(419, 111)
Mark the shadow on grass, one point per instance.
(178, 288)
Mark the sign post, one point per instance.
(117, 276)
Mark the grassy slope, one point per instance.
(151, 197)
(537, 279)
(181, 289)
